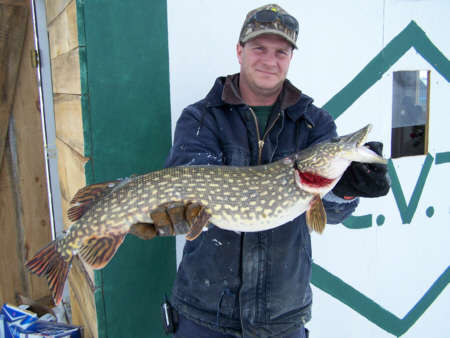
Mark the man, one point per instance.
(256, 284)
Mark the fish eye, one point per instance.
(334, 140)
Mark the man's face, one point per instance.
(264, 64)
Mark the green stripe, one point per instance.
(376, 314)
(124, 66)
(411, 36)
(442, 158)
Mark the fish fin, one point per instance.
(48, 262)
(198, 217)
(316, 217)
(97, 251)
(87, 196)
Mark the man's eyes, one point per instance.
(281, 52)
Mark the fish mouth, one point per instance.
(362, 153)
(359, 137)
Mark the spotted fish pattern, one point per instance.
(233, 198)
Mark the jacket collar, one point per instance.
(291, 99)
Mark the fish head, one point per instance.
(320, 166)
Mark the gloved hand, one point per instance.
(173, 218)
(364, 179)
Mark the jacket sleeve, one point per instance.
(196, 141)
(337, 208)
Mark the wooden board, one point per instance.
(24, 220)
(11, 271)
(54, 7)
(68, 120)
(12, 33)
(82, 298)
(66, 73)
(70, 169)
(22, 3)
(31, 176)
(63, 32)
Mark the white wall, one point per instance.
(393, 264)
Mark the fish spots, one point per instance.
(231, 207)
(244, 209)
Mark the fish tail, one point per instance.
(50, 263)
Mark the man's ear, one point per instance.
(239, 50)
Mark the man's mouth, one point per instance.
(265, 72)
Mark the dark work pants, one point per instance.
(189, 329)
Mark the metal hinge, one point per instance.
(34, 58)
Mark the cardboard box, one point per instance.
(18, 323)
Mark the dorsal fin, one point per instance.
(87, 196)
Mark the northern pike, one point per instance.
(242, 199)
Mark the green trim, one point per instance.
(376, 314)
(124, 69)
(407, 211)
(442, 158)
(86, 117)
(411, 36)
(87, 134)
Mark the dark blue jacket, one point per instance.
(249, 284)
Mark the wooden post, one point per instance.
(13, 23)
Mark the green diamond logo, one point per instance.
(411, 37)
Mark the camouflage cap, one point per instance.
(269, 19)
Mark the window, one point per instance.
(410, 105)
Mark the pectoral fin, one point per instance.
(316, 217)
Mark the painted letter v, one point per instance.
(407, 211)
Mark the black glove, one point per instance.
(364, 179)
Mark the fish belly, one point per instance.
(261, 223)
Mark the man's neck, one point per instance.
(258, 99)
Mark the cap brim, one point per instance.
(269, 31)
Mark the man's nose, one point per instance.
(269, 59)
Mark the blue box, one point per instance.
(18, 323)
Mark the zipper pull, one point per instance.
(260, 144)
(260, 147)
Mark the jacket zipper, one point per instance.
(258, 134)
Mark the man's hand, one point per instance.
(364, 179)
(173, 218)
